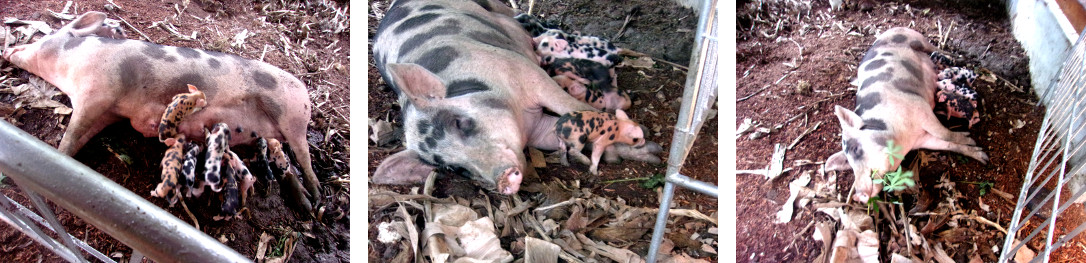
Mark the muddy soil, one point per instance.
(318, 50)
(766, 49)
(660, 29)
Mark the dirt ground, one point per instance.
(662, 30)
(771, 37)
(306, 39)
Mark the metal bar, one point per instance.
(31, 230)
(661, 222)
(103, 203)
(690, 183)
(52, 220)
(37, 219)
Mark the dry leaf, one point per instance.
(538, 250)
(785, 215)
(480, 243)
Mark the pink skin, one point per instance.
(90, 72)
(245, 178)
(906, 114)
(513, 119)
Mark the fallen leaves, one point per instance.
(555, 221)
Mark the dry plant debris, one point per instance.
(554, 221)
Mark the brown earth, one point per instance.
(660, 29)
(317, 55)
(981, 35)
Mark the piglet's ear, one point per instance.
(850, 122)
(402, 168)
(85, 25)
(420, 85)
(192, 88)
(621, 114)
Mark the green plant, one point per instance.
(985, 186)
(653, 182)
(896, 181)
(892, 150)
(873, 205)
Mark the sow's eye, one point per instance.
(466, 126)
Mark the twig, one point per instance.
(796, 236)
(173, 31)
(623, 28)
(110, 1)
(905, 224)
(563, 203)
(133, 28)
(782, 77)
(942, 43)
(794, 142)
(672, 64)
(752, 94)
(985, 221)
(531, 4)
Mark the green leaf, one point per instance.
(891, 151)
(872, 204)
(656, 180)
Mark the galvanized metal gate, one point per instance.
(699, 95)
(1058, 154)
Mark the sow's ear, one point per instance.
(837, 162)
(402, 168)
(85, 25)
(850, 122)
(420, 85)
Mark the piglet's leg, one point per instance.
(933, 143)
(597, 150)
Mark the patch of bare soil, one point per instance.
(781, 44)
(306, 38)
(662, 30)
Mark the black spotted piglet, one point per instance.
(217, 140)
(554, 44)
(602, 129)
(172, 173)
(589, 81)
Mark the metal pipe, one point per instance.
(661, 221)
(698, 95)
(21, 223)
(103, 203)
(53, 222)
(23, 211)
(690, 183)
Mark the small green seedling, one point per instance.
(985, 186)
(873, 205)
(653, 182)
(896, 181)
(892, 150)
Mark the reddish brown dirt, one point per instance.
(324, 73)
(660, 29)
(829, 58)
